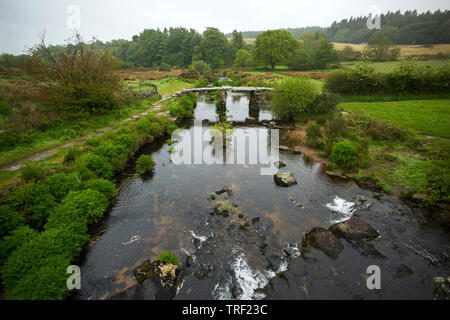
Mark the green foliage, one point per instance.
(204, 69)
(171, 129)
(61, 183)
(408, 77)
(344, 154)
(145, 163)
(155, 129)
(35, 201)
(291, 97)
(274, 46)
(438, 180)
(78, 209)
(31, 270)
(93, 141)
(184, 107)
(77, 80)
(314, 136)
(71, 154)
(16, 238)
(314, 52)
(105, 187)
(168, 257)
(244, 59)
(99, 165)
(31, 172)
(215, 49)
(9, 220)
(126, 141)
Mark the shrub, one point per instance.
(71, 154)
(9, 220)
(44, 250)
(344, 154)
(168, 257)
(61, 183)
(126, 140)
(103, 186)
(314, 136)
(36, 201)
(115, 153)
(171, 128)
(77, 80)
(155, 129)
(93, 141)
(16, 238)
(31, 172)
(99, 165)
(145, 163)
(46, 283)
(438, 181)
(143, 125)
(291, 97)
(78, 209)
(325, 103)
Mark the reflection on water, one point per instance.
(241, 256)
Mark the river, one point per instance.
(170, 209)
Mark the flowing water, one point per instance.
(170, 209)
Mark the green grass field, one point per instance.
(389, 66)
(429, 117)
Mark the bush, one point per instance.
(107, 188)
(71, 154)
(345, 155)
(168, 257)
(93, 141)
(291, 97)
(31, 172)
(9, 220)
(171, 128)
(99, 165)
(127, 141)
(35, 201)
(438, 181)
(143, 125)
(45, 250)
(16, 238)
(325, 103)
(314, 136)
(145, 163)
(115, 153)
(61, 183)
(78, 209)
(155, 129)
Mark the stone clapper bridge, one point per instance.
(255, 99)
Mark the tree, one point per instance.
(379, 47)
(243, 59)
(274, 46)
(238, 40)
(77, 80)
(313, 52)
(215, 48)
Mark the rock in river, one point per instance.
(354, 229)
(285, 179)
(324, 240)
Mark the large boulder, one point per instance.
(354, 229)
(324, 240)
(285, 179)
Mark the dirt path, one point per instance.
(17, 164)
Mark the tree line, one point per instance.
(409, 27)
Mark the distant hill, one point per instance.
(408, 28)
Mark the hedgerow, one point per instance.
(62, 206)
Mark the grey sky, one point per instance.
(21, 21)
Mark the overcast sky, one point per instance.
(21, 21)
